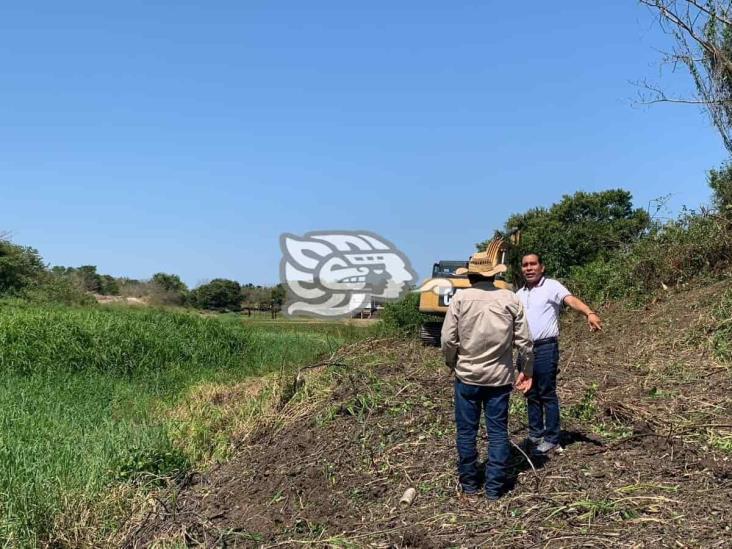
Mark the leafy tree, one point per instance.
(169, 282)
(279, 295)
(575, 231)
(108, 285)
(218, 295)
(259, 297)
(167, 289)
(89, 279)
(20, 267)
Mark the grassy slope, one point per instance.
(647, 463)
(85, 399)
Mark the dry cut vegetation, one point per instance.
(647, 463)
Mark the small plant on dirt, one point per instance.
(723, 442)
(657, 393)
(591, 509)
(585, 409)
(517, 406)
(150, 465)
(329, 472)
(277, 497)
(304, 526)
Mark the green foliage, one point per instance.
(167, 289)
(218, 295)
(58, 289)
(722, 335)
(20, 267)
(585, 409)
(108, 285)
(403, 316)
(720, 181)
(577, 230)
(279, 295)
(143, 464)
(169, 282)
(86, 398)
(87, 279)
(671, 254)
(119, 341)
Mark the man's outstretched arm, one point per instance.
(593, 319)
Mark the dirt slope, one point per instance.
(646, 464)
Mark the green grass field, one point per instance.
(85, 396)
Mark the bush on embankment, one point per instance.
(696, 245)
(403, 318)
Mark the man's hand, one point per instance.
(595, 322)
(593, 319)
(523, 383)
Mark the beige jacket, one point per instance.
(481, 325)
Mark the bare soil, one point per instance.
(646, 412)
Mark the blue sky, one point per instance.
(185, 137)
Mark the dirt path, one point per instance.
(645, 409)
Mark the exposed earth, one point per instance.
(647, 419)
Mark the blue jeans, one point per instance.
(469, 399)
(542, 400)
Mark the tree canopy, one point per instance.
(218, 295)
(575, 231)
(20, 267)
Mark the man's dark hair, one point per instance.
(538, 257)
(474, 278)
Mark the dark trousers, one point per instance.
(469, 400)
(542, 400)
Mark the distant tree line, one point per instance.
(23, 274)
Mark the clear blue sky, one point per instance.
(186, 136)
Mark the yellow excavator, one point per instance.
(448, 278)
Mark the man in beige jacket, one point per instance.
(482, 325)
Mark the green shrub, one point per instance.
(53, 288)
(403, 316)
(671, 254)
(143, 464)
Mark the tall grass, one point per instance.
(85, 394)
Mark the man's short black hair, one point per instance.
(538, 257)
(475, 278)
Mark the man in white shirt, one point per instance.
(543, 299)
